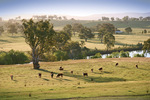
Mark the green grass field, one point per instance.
(123, 80)
(17, 42)
(59, 24)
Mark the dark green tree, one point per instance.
(12, 28)
(145, 31)
(146, 46)
(1, 30)
(61, 39)
(68, 29)
(110, 28)
(101, 33)
(104, 29)
(76, 27)
(86, 33)
(109, 41)
(112, 18)
(39, 36)
(73, 50)
(125, 18)
(128, 30)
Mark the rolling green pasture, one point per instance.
(122, 80)
(17, 42)
(59, 24)
(120, 40)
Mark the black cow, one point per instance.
(52, 74)
(100, 69)
(85, 74)
(92, 70)
(71, 72)
(40, 74)
(137, 66)
(61, 68)
(117, 64)
(60, 74)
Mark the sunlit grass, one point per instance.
(17, 42)
(124, 79)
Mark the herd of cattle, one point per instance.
(61, 74)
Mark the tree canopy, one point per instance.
(68, 29)
(1, 30)
(38, 35)
(146, 46)
(86, 33)
(109, 40)
(128, 29)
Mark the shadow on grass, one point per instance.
(45, 79)
(119, 43)
(103, 72)
(143, 69)
(15, 37)
(95, 79)
(5, 41)
(15, 80)
(123, 67)
(43, 70)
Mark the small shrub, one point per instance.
(13, 57)
(109, 56)
(138, 55)
(124, 54)
(115, 55)
(97, 55)
(61, 55)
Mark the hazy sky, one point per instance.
(13, 8)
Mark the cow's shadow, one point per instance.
(98, 79)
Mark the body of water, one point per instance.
(131, 54)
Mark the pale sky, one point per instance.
(11, 8)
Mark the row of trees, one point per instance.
(125, 18)
(12, 28)
(51, 17)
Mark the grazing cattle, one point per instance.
(85, 74)
(61, 68)
(29, 94)
(136, 66)
(116, 64)
(92, 70)
(60, 74)
(11, 76)
(71, 72)
(52, 74)
(100, 69)
(40, 75)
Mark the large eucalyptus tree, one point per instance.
(39, 36)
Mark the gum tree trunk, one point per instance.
(35, 60)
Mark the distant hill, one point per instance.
(59, 24)
(119, 15)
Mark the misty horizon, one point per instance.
(79, 8)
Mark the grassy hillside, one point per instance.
(122, 80)
(59, 24)
(17, 42)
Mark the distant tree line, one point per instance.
(125, 19)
